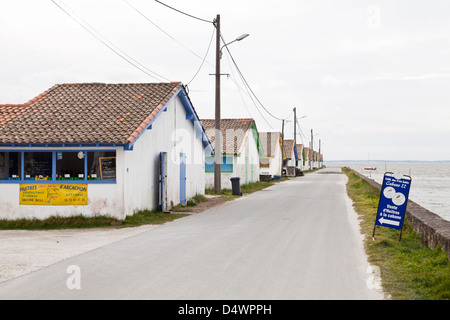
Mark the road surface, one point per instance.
(296, 240)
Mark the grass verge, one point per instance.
(245, 189)
(409, 269)
(190, 203)
(81, 222)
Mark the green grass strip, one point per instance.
(82, 222)
(245, 188)
(409, 269)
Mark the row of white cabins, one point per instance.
(113, 149)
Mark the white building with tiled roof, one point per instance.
(271, 164)
(241, 151)
(99, 149)
(300, 157)
(290, 150)
(307, 165)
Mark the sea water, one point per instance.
(430, 186)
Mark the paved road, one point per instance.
(295, 240)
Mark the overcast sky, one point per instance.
(371, 77)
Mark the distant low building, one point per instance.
(290, 149)
(300, 157)
(271, 164)
(307, 158)
(240, 154)
(290, 161)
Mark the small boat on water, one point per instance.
(370, 168)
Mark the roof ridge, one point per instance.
(13, 105)
(135, 134)
(41, 96)
(116, 83)
(66, 125)
(230, 119)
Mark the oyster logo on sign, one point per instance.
(393, 201)
(397, 198)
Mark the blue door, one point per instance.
(163, 181)
(182, 178)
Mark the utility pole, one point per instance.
(320, 156)
(218, 135)
(282, 147)
(311, 151)
(295, 132)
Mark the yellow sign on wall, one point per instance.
(53, 194)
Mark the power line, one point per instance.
(247, 85)
(189, 15)
(204, 59)
(171, 37)
(163, 31)
(249, 95)
(234, 62)
(110, 45)
(238, 87)
(301, 132)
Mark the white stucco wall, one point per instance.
(172, 133)
(274, 168)
(137, 173)
(275, 163)
(300, 160)
(290, 162)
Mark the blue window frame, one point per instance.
(226, 165)
(58, 166)
(10, 166)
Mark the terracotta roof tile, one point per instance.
(9, 111)
(85, 113)
(269, 139)
(289, 148)
(299, 149)
(307, 153)
(233, 133)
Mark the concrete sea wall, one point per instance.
(433, 229)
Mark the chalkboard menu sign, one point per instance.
(107, 168)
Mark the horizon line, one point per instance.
(381, 160)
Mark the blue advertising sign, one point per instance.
(393, 201)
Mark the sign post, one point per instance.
(393, 201)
